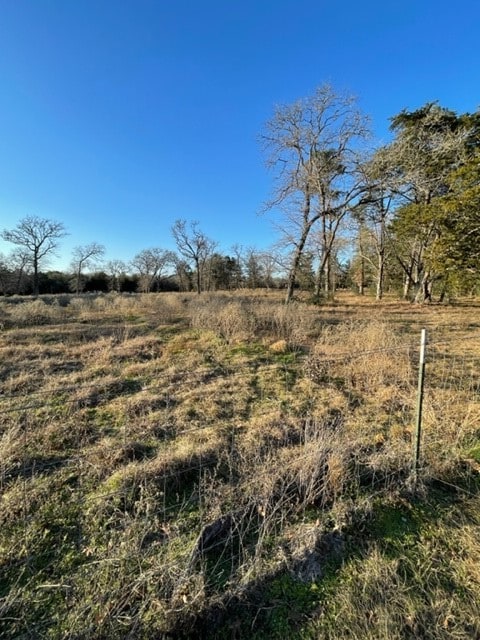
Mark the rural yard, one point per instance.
(226, 466)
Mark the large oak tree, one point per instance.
(314, 147)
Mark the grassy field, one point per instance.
(223, 466)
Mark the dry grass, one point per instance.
(160, 451)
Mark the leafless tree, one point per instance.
(150, 265)
(259, 266)
(373, 216)
(115, 268)
(238, 252)
(39, 237)
(194, 246)
(183, 273)
(5, 274)
(21, 267)
(270, 262)
(313, 144)
(14, 271)
(85, 257)
(254, 271)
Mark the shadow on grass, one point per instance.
(36, 465)
(285, 602)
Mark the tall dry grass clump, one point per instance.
(365, 355)
(252, 318)
(231, 320)
(33, 313)
(295, 323)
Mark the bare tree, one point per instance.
(194, 246)
(270, 263)
(313, 146)
(19, 260)
(238, 252)
(183, 273)
(14, 271)
(150, 264)
(254, 269)
(85, 257)
(373, 217)
(39, 237)
(115, 268)
(5, 274)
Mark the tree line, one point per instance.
(401, 216)
(197, 265)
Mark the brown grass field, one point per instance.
(223, 466)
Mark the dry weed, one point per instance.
(33, 313)
(363, 355)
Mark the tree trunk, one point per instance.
(361, 284)
(294, 268)
(318, 280)
(323, 260)
(77, 283)
(410, 279)
(36, 288)
(333, 281)
(307, 225)
(380, 274)
(424, 293)
(443, 293)
(327, 276)
(199, 281)
(407, 283)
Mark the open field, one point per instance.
(223, 466)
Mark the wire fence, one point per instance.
(170, 502)
(451, 406)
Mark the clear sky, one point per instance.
(119, 116)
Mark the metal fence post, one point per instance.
(418, 423)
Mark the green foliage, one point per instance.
(437, 177)
(448, 228)
(288, 603)
(305, 277)
(224, 272)
(459, 246)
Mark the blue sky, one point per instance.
(119, 116)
